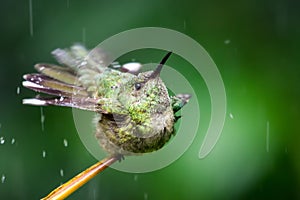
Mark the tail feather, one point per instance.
(87, 103)
(62, 74)
(45, 84)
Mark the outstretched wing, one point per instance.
(74, 84)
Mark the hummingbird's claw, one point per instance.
(119, 157)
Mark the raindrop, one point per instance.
(65, 142)
(132, 67)
(3, 178)
(18, 90)
(2, 140)
(227, 41)
(231, 115)
(12, 141)
(61, 171)
(42, 118)
(83, 63)
(44, 153)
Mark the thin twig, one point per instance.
(72, 185)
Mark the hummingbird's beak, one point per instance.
(156, 72)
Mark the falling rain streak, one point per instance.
(42, 118)
(83, 35)
(145, 196)
(94, 193)
(268, 137)
(30, 18)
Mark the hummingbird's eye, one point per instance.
(138, 86)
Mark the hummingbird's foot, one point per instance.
(119, 157)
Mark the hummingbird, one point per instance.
(134, 112)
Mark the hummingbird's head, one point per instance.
(148, 94)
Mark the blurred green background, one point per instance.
(255, 45)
